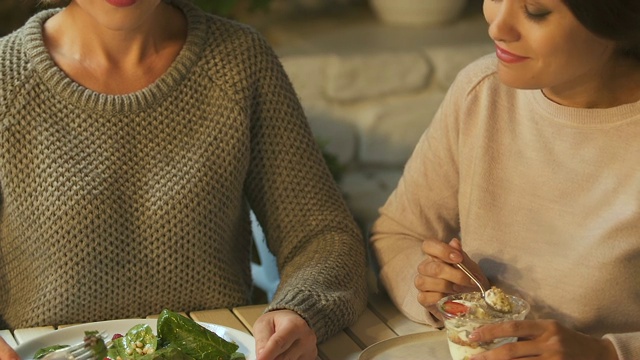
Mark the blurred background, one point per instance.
(13, 13)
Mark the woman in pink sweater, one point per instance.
(532, 166)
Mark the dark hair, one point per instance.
(616, 20)
(53, 3)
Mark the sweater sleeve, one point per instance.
(423, 206)
(319, 248)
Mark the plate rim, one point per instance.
(236, 334)
(373, 349)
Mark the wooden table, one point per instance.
(380, 321)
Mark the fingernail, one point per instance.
(455, 257)
(473, 336)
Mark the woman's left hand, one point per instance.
(283, 334)
(542, 339)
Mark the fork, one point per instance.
(79, 351)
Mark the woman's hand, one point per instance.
(542, 339)
(437, 277)
(283, 334)
(6, 352)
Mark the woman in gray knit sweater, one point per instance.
(135, 137)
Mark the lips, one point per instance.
(509, 57)
(121, 3)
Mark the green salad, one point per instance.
(178, 338)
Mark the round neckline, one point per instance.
(585, 117)
(67, 89)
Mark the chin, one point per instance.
(517, 80)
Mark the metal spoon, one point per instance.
(479, 285)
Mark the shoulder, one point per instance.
(20, 51)
(219, 33)
(18, 48)
(14, 65)
(479, 75)
(11, 46)
(237, 38)
(225, 47)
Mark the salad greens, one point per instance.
(194, 340)
(137, 342)
(91, 339)
(178, 338)
(45, 350)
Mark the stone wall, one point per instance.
(372, 108)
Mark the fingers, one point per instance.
(532, 335)
(283, 334)
(441, 277)
(513, 350)
(443, 251)
(518, 329)
(543, 339)
(456, 244)
(436, 276)
(263, 329)
(452, 253)
(435, 279)
(6, 352)
(431, 290)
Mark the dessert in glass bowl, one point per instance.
(463, 313)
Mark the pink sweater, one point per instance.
(546, 198)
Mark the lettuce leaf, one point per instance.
(125, 347)
(175, 330)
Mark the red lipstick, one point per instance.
(121, 3)
(508, 57)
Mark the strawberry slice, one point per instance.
(454, 308)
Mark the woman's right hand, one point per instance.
(6, 352)
(437, 277)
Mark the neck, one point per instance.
(76, 35)
(617, 84)
(115, 57)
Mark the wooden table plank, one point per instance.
(22, 335)
(383, 307)
(8, 338)
(222, 317)
(339, 347)
(249, 314)
(369, 329)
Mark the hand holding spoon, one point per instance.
(489, 296)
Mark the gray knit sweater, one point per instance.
(120, 206)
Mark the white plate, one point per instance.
(431, 345)
(74, 334)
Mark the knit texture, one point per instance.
(118, 206)
(545, 198)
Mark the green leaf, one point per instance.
(125, 346)
(193, 339)
(45, 350)
(237, 356)
(169, 353)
